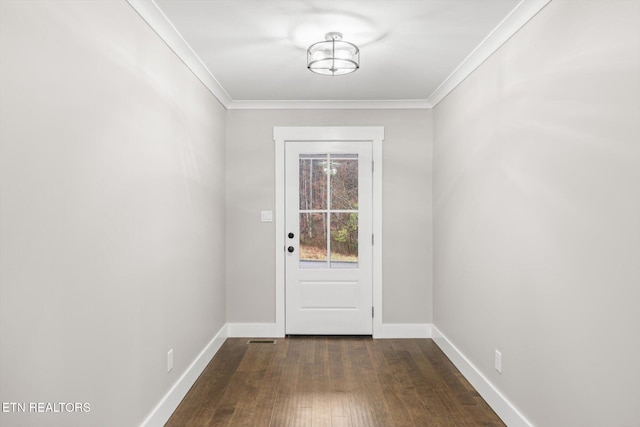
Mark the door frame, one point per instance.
(281, 135)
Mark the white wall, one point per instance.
(111, 212)
(407, 224)
(537, 215)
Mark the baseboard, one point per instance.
(253, 330)
(498, 402)
(163, 410)
(387, 330)
(403, 330)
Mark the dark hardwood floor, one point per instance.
(332, 381)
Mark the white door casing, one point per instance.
(284, 136)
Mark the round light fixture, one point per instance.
(333, 56)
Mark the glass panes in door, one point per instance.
(328, 210)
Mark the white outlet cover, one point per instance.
(498, 361)
(169, 360)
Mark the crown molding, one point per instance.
(507, 28)
(330, 104)
(158, 21)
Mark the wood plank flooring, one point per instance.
(332, 381)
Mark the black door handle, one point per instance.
(290, 249)
(291, 235)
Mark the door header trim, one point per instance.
(328, 133)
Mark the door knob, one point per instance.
(290, 249)
(291, 235)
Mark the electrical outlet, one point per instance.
(170, 360)
(498, 361)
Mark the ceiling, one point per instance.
(255, 50)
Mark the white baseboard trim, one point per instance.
(498, 402)
(163, 410)
(387, 330)
(253, 330)
(403, 330)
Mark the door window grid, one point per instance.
(328, 210)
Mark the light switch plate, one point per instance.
(266, 216)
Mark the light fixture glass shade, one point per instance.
(333, 57)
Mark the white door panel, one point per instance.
(328, 197)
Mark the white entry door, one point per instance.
(328, 226)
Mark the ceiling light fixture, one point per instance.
(333, 57)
